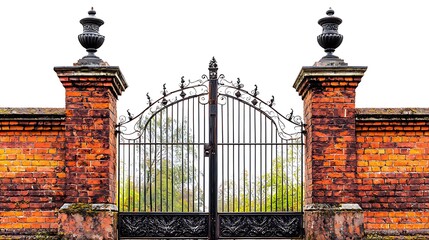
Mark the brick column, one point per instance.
(90, 154)
(331, 160)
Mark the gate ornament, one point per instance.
(164, 93)
(239, 86)
(213, 69)
(259, 225)
(163, 225)
(91, 39)
(271, 102)
(182, 86)
(330, 39)
(149, 100)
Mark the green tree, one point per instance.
(278, 190)
(163, 175)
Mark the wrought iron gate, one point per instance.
(252, 154)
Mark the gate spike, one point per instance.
(271, 102)
(290, 115)
(164, 90)
(130, 116)
(255, 91)
(182, 82)
(148, 98)
(239, 84)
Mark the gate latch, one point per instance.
(207, 150)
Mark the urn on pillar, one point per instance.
(330, 39)
(91, 39)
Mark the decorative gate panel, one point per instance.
(210, 161)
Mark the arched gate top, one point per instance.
(288, 125)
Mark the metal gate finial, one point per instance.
(213, 69)
(91, 39)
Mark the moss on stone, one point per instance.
(379, 237)
(83, 209)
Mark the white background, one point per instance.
(262, 42)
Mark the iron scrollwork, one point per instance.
(199, 89)
(260, 225)
(191, 89)
(289, 127)
(165, 225)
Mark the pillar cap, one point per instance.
(92, 76)
(302, 82)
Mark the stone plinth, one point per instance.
(88, 221)
(339, 221)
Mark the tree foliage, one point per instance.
(278, 190)
(166, 174)
(163, 175)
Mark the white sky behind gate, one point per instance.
(261, 42)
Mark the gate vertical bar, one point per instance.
(213, 88)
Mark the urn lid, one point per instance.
(330, 18)
(91, 19)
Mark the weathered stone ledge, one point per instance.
(333, 207)
(391, 114)
(32, 114)
(93, 207)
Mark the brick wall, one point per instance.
(50, 157)
(376, 158)
(32, 173)
(393, 169)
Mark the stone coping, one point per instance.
(32, 113)
(397, 234)
(308, 75)
(120, 84)
(333, 207)
(326, 71)
(107, 207)
(392, 113)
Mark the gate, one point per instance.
(210, 161)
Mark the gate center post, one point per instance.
(213, 88)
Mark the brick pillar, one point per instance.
(331, 211)
(90, 154)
